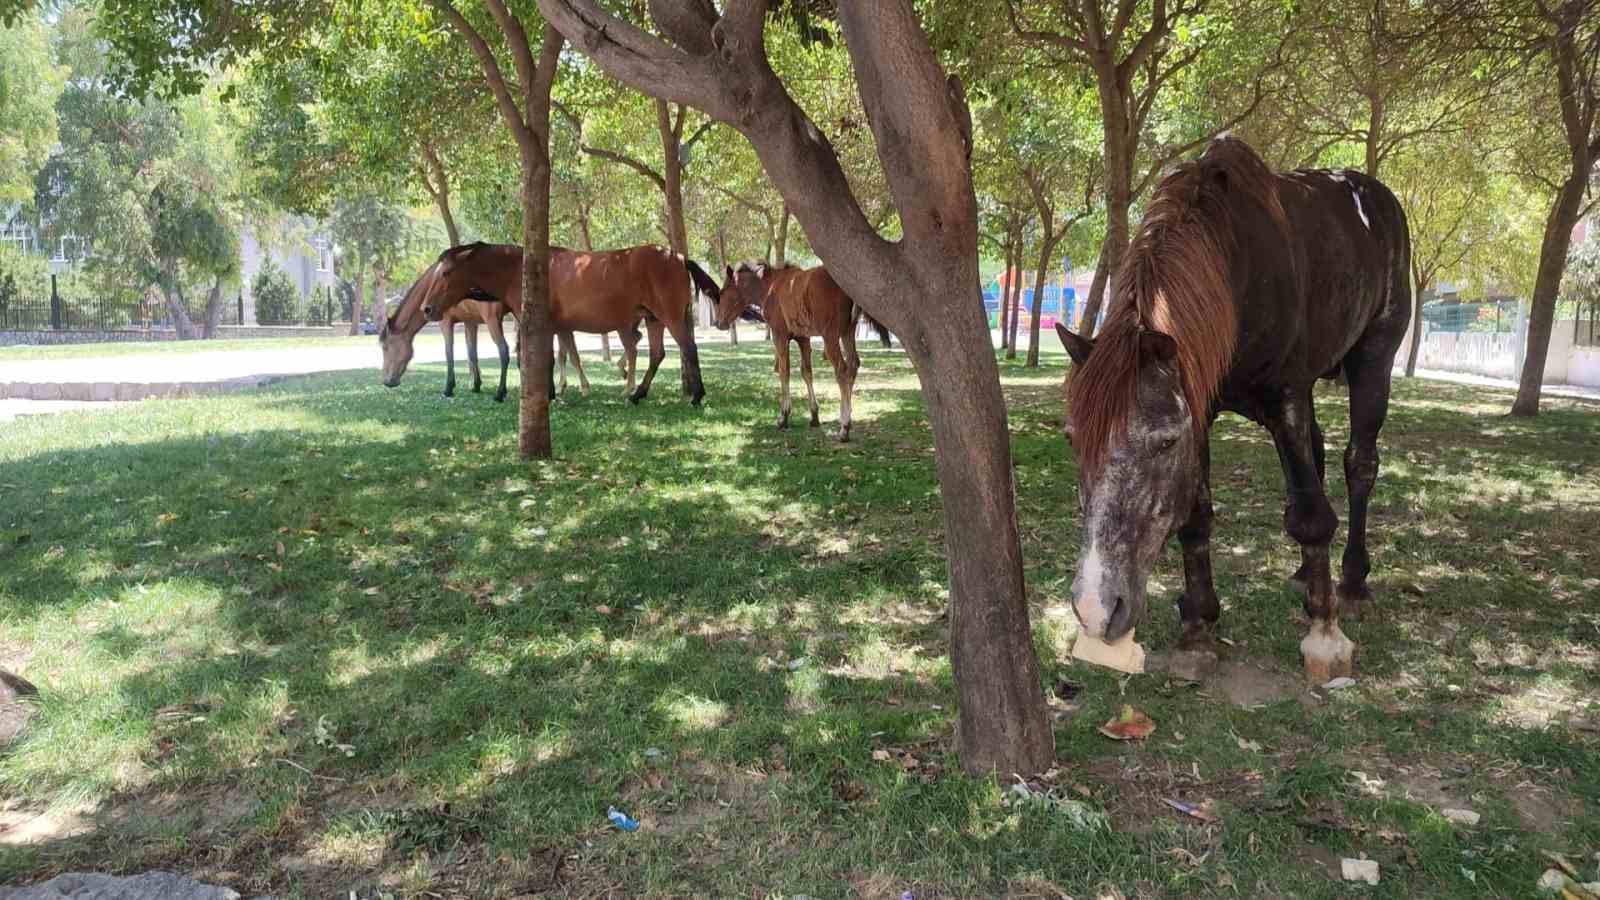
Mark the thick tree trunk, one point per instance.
(213, 310)
(176, 305)
(1004, 727)
(1552, 264)
(1046, 250)
(924, 288)
(360, 301)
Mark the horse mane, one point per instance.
(1174, 280)
(412, 296)
(461, 250)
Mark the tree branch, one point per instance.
(491, 72)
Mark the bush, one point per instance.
(276, 298)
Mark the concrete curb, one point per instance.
(105, 391)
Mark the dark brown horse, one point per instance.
(589, 291)
(1240, 290)
(799, 304)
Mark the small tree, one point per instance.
(276, 299)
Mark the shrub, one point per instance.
(276, 298)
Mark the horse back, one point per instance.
(811, 302)
(1335, 275)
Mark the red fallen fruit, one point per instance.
(1131, 725)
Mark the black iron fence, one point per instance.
(55, 312)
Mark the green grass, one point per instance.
(332, 637)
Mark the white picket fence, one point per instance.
(1472, 352)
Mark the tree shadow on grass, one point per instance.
(511, 639)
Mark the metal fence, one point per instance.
(55, 312)
(1490, 317)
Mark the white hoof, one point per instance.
(1327, 653)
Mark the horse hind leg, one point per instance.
(658, 352)
(832, 347)
(628, 361)
(498, 333)
(569, 350)
(805, 372)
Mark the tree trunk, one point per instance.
(1004, 727)
(677, 229)
(1047, 248)
(780, 250)
(380, 294)
(173, 292)
(1121, 146)
(360, 301)
(439, 188)
(1005, 287)
(213, 310)
(1421, 282)
(1097, 294)
(1016, 305)
(924, 288)
(1374, 133)
(1552, 264)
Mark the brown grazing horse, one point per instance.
(799, 304)
(589, 291)
(1241, 289)
(406, 321)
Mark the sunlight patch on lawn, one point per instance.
(691, 712)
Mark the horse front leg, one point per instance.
(805, 372)
(1309, 518)
(781, 364)
(447, 327)
(472, 357)
(1198, 607)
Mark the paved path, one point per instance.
(168, 374)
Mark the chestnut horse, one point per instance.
(1240, 290)
(406, 321)
(799, 304)
(593, 292)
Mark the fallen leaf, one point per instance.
(1460, 816)
(280, 548)
(1359, 870)
(1251, 746)
(1131, 725)
(604, 610)
(166, 518)
(880, 755)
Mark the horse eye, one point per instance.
(1167, 444)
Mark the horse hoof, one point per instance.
(1193, 663)
(815, 422)
(844, 435)
(783, 424)
(477, 389)
(500, 397)
(1352, 600)
(1327, 653)
(449, 395)
(697, 399)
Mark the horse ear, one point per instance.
(1078, 347)
(729, 270)
(1158, 346)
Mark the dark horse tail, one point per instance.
(879, 327)
(702, 282)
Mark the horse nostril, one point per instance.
(1119, 620)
